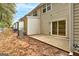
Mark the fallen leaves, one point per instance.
(13, 46)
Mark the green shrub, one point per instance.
(2, 24)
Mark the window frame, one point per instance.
(45, 6)
(58, 27)
(59, 32)
(49, 6)
(55, 27)
(35, 13)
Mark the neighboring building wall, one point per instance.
(15, 26)
(76, 21)
(21, 25)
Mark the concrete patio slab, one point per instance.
(60, 42)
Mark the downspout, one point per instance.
(18, 27)
(71, 28)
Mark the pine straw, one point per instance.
(9, 44)
(13, 46)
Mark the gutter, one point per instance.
(71, 29)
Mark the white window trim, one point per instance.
(57, 28)
(58, 25)
(46, 9)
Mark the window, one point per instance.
(35, 13)
(48, 6)
(62, 28)
(54, 27)
(44, 8)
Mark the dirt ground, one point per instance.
(11, 45)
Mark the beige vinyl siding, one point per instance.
(76, 21)
(38, 12)
(59, 12)
(25, 24)
(30, 14)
